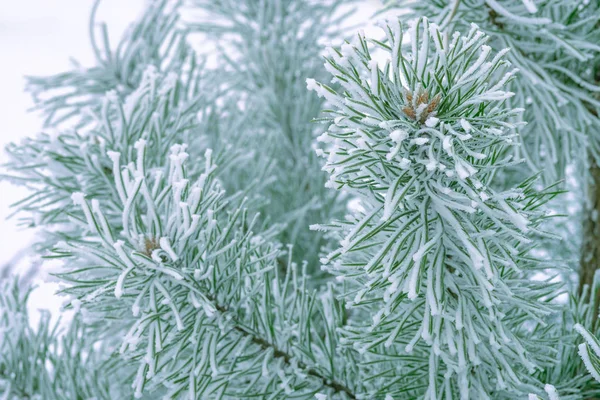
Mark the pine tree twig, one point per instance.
(278, 353)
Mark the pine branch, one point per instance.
(438, 259)
(434, 265)
(157, 112)
(209, 276)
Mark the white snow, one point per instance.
(398, 135)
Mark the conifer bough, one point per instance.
(438, 258)
(438, 284)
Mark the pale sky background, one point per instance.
(38, 37)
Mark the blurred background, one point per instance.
(40, 37)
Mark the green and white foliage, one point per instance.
(183, 290)
(210, 316)
(590, 352)
(156, 39)
(554, 44)
(56, 165)
(266, 50)
(438, 259)
(44, 363)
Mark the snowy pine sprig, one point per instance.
(438, 109)
(433, 294)
(54, 165)
(555, 46)
(585, 311)
(198, 296)
(435, 254)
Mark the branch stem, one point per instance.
(337, 387)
